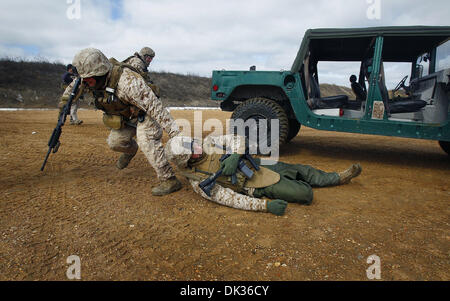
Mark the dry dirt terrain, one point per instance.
(398, 209)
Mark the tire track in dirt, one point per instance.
(81, 205)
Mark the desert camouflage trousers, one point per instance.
(148, 135)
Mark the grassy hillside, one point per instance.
(38, 85)
(332, 90)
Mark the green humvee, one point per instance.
(417, 110)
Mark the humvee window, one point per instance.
(340, 60)
(443, 56)
(422, 66)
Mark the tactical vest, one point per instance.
(116, 111)
(145, 75)
(210, 164)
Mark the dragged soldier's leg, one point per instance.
(313, 176)
(291, 191)
(350, 173)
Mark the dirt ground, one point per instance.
(398, 209)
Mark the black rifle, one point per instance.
(53, 143)
(208, 184)
(251, 160)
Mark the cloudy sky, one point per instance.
(198, 36)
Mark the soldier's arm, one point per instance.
(230, 198)
(228, 143)
(138, 64)
(133, 89)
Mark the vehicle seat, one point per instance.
(331, 102)
(404, 105)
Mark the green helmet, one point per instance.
(147, 51)
(91, 62)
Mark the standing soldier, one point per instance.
(67, 78)
(124, 96)
(141, 60)
(268, 188)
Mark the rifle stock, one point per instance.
(208, 184)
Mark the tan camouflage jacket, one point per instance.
(137, 63)
(226, 196)
(133, 89)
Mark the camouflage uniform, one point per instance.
(219, 194)
(133, 90)
(138, 61)
(290, 183)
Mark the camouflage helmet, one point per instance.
(178, 150)
(147, 51)
(91, 62)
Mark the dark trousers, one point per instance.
(295, 185)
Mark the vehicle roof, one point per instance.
(402, 43)
(374, 31)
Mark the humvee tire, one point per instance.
(294, 128)
(445, 146)
(263, 108)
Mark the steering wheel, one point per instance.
(401, 84)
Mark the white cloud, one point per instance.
(195, 36)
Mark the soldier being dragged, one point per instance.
(268, 188)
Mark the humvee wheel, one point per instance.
(263, 109)
(445, 146)
(294, 128)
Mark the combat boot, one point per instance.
(350, 173)
(76, 122)
(124, 160)
(167, 187)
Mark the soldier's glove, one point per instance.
(230, 165)
(277, 207)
